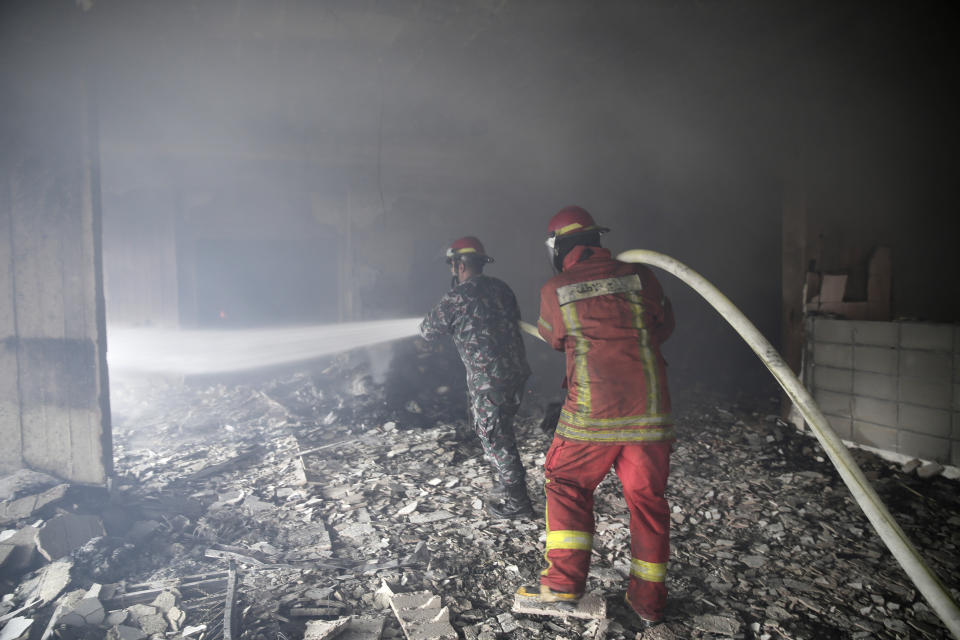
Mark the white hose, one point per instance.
(890, 532)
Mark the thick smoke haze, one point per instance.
(276, 163)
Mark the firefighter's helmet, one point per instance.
(569, 222)
(466, 246)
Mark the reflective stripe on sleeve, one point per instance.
(545, 324)
(648, 571)
(578, 540)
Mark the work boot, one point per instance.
(515, 504)
(645, 623)
(498, 491)
(542, 594)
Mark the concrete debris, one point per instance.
(123, 632)
(53, 579)
(26, 507)
(88, 611)
(421, 616)
(930, 470)
(340, 503)
(364, 628)
(24, 546)
(66, 533)
(325, 629)
(16, 628)
(719, 625)
(591, 606)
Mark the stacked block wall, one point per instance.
(890, 385)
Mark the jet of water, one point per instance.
(144, 350)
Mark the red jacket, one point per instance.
(610, 318)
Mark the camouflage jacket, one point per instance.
(483, 317)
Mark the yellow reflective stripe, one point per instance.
(642, 420)
(649, 571)
(646, 353)
(466, 250)
(615, 435)
(545, 324)
(566, 539)
(567, 229)
(580, 348)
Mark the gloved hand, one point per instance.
(551, 415)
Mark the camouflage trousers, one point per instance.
(493, 411)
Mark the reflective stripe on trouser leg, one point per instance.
(643, 471)
(573, 470)
(649, 571)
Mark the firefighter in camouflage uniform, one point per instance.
(482, 315)
(610, 318)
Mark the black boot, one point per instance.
(514, 506)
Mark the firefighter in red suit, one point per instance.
(610, 318)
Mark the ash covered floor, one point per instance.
(326, 492)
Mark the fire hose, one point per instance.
(886, 527)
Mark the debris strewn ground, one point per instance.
(329, 495)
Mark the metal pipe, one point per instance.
(878, 515)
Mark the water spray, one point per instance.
(145, 350)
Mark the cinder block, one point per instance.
(875, 385)
(928, 365)
(842, 426)
(956, 395)
(955, 454)
(923, 446)
(919, 335)
(833, 355)
(881, 334)
(832, 403)
(875, 360)
(956, 425)
(874, 435)
(883, 412)
(832, 379)
(828, 330)
(934, 422)
(937, 394)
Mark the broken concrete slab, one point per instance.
(24, 543)
(87, 612)
(591, 606)
(364, 628)
(325, 629)
(28, 505)
(16, 628)
(54, 578)
(422, 617)
(66, 533)
(123, 632)
(427, 518)
(719, 625)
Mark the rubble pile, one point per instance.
(321, 504)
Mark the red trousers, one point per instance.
(573, 471)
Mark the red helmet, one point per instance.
(571, 221)
(466, 246)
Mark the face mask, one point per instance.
(555, 261)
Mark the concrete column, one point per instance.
(54, 406)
